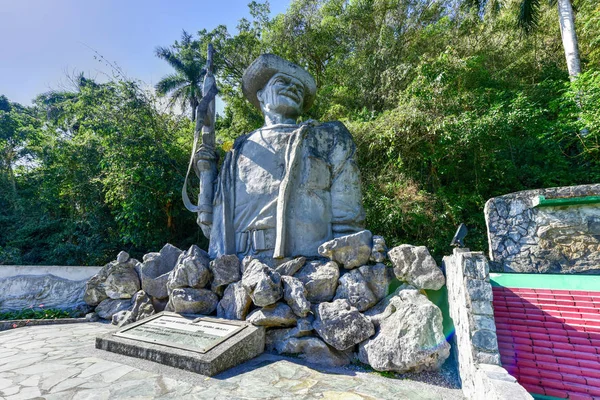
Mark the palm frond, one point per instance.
(529, 12)
(170, 83)
(169, 56)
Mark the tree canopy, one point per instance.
(449, 105)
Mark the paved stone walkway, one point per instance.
(60, 362)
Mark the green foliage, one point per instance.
(37, 313)
(105, 174)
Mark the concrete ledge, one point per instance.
(72, 273)
(245, 345)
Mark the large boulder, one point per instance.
(262, 284)
(109, 307)
(94, 288)
(156, 269)
(116, 280)
(142, 308)
(410, 336)
(320, 280)
(289, 268)
(379, 277)
(225, 270)
(193, 301)
(275, 316)
(351, 250)
(192, 270)
(122, 281)
(235, 303)
(294, 295)
(414, 264)
(354, 288)
(313, 350)
(341, 325)
(379, 250)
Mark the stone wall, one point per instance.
(475, 344)
(49, 286)
(525, 236)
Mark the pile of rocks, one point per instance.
(329, 310)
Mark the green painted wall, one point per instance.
(546, 281)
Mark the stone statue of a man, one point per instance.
(285, 188)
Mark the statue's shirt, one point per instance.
(260, 169)
(304, 176)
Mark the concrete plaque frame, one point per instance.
(203, 333)
(235, 349)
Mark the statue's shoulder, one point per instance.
(335, 130)
(336, 140)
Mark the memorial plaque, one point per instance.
(173, 330)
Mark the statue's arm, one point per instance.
(206, 168)
(348, 215)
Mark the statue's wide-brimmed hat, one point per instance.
(264, 67)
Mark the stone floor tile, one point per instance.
(11, 390)
(70, 367)
(53, 379)
(25, 394)
(67, 384)
(92, 394)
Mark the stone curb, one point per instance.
(21, 323)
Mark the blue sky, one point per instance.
(41, 41)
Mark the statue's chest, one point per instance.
(261, 163)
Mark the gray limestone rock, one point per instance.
(313, 350)
(351, 251)
(225, 270)
(109, 307)
(379, 250)
(190, 271)
(294, 295)
(341, 325)
(169, 255)
(122, 282)
(353, 287)
(116, 280)
(94, 288)
(279, 315)
(142, 308)
(304, 325)
(235, 303)
(120, 317)
(262, 284)
(410, 336)
(320, 280)
(123, 257)
(414, 264)
(154, 274)
(289, 268)
(379, 277)
(193, 301)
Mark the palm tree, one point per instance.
(528, 20)
(185, 85)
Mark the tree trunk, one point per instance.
(194, 106)
(569, 37)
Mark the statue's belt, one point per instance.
(255, 240)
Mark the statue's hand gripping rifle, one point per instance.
(205, 159)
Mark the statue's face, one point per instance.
(283, 94)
